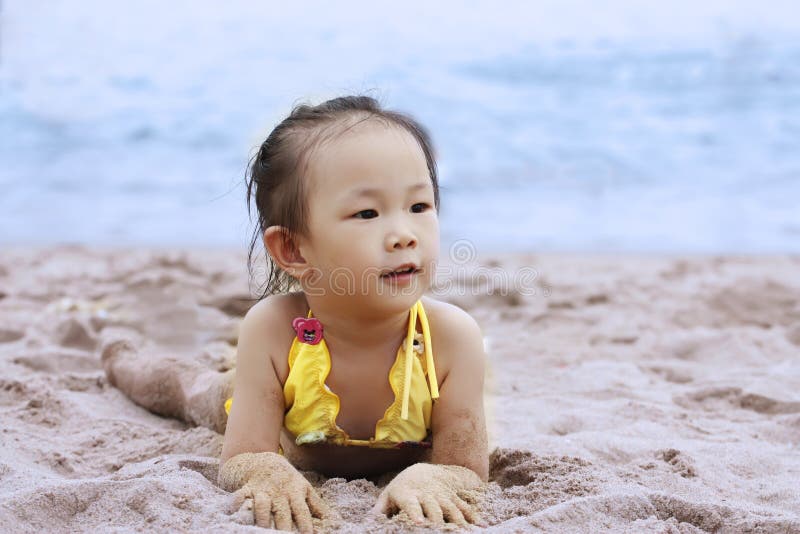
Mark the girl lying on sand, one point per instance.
(345, 368)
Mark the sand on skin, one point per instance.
(624, 394)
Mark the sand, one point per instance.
(624, 394)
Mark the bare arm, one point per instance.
(250, 464)
(458, 421)
(256, 417)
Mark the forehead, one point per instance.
(369, 155)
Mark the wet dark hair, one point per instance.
(275, 175)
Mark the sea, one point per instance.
(615, 126)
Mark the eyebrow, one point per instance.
(374, 192)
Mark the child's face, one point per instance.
(356, 237)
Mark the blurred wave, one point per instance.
(638, 130)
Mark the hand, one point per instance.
(432, 489)
(277, 490)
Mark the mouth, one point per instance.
(407, 269)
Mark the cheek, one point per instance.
(347, 246)
(432, 233)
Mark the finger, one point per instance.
(432, 510)
(469, 511)
(318, 507)
(411, 506)
(282, 513)
(239, 498)
(452, 512)
(301, 512)
(262, 509)
(242, 508)
(470, 496)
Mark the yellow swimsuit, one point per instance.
(311, 407)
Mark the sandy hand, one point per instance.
(278, 491)
(432, 491)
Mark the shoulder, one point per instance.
(456, 337)
(268, 325)
(274, 309)
(449, 321)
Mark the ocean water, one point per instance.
(560, 126)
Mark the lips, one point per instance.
(406, 268)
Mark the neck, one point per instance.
(359, 329)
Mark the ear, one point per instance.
(284, 251)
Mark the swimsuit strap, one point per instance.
(426, 333)
(416, 309)
(412, 327)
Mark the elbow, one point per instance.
(479, 463)
(482, 470)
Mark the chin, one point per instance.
(397, 303)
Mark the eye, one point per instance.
(420, 207)
(366, 214)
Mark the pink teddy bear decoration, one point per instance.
(309, 329)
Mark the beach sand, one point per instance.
(624, 393)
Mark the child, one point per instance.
(356, 373)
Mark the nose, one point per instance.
(400, 238)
